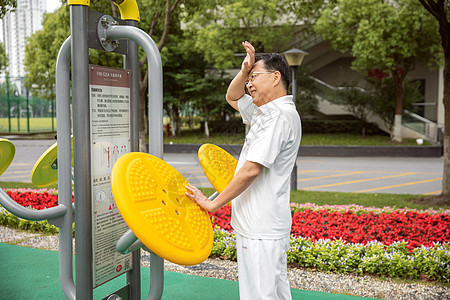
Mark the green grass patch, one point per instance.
(21, 125)
(354, 140)
(379, 200)
(197, 137)
(23, 185)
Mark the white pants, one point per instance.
(262, 268)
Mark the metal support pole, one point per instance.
(155, 85)
(155, 82)
(294, 99)
(28, 111)
(82, 151)
(131, 63)
(65, 169)
(9, 104)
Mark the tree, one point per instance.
(6, 6)
(209, 91)
(218, 30)
(43, 46)
(386, 35)
(3, 58)
(440, 10)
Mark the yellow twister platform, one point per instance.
(218, 165)
(45, 170)
(7, 152)
(150, 195)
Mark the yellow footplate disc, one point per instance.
(45, 170)
(150, 195)
(218, 165)
(7, 152)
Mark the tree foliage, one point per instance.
(42, 49)
(6, 6)
(3, 58)
(385, 35)
(219, 28)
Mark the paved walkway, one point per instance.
(397, 175)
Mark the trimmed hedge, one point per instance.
(375, 258)
(339, 126)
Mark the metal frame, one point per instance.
(74, 52)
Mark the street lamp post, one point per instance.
(294, 58)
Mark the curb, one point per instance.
(332, 151)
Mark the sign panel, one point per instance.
(109, 92)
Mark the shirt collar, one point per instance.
(288, 99)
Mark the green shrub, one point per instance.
(339, 126)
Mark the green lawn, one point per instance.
(197, 137)
(36, 125)
(364, 199)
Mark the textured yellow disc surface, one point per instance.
(45, 170)
(150, 195)
(7, 152)
(218, 165)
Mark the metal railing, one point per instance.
(411, 120)
(420, 124)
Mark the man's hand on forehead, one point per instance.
(249, 60)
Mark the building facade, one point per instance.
(16, 27)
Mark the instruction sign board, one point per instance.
(109, 92)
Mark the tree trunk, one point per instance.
(206, 128)
(143, 121)
(396, 135)
(437, 9)
(143, 81)
(446, 100)
(173, 128)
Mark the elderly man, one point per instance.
(260, 189)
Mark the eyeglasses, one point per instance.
(252, 77)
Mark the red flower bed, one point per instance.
(36, 200)
(415, 228)
(222, 218)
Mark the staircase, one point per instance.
(413, 125)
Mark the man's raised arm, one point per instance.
(236, 89)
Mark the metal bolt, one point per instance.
(104, 41)
(115, 44)
(105, 22)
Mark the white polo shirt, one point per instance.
(262, 211)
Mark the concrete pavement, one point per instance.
(399, 175)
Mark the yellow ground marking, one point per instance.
(12, 177)
(356, 181)
(329, 176)
(194, 177)
(368, 172)
(306, 171)
(433, 193)
(399, 185)
(186, 170)
(17, 172)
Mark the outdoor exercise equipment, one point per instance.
(7, 152)
(150, 195)
(45, 170)
(105, 112)
(218, 165)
